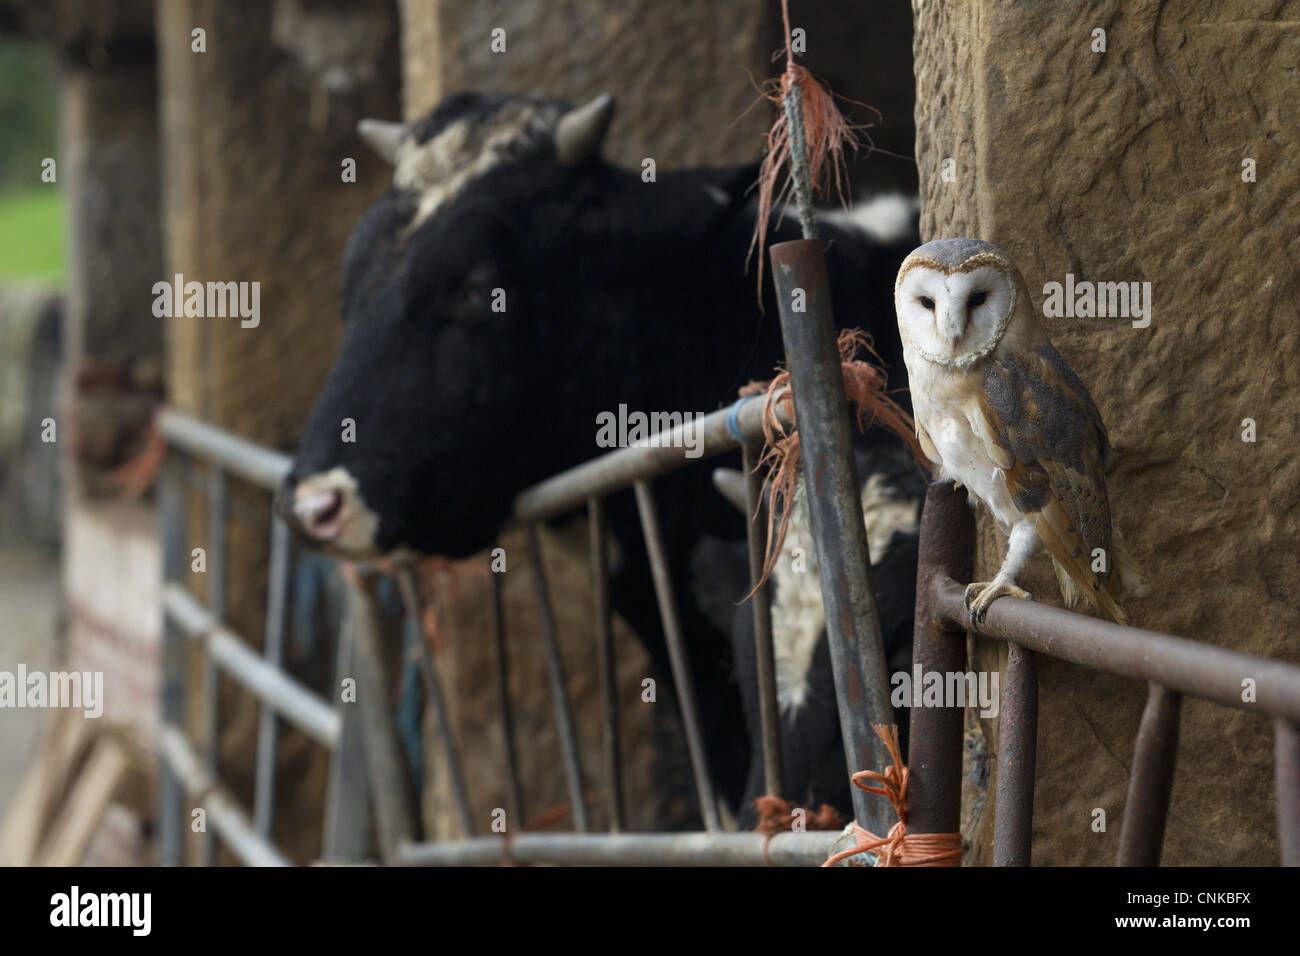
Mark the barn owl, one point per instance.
(998, 410)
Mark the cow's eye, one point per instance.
(478, 291)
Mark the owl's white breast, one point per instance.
(945, 400)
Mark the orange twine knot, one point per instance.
(900, 847)
(778, 816)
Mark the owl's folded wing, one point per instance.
(1042, 427)
(927, 444)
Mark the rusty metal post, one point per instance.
(1286, 760)
(211, 694)
(171, 797)
(764, 654)
(935, 746)
(605, 661)
(564, 728)
(1146, 809)
(497, 610)
(1013, 817)
(391, 793)
(678, 660)
(436, 698)
(831, 481)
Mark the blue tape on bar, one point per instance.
(733, 418)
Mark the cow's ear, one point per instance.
(580, 132)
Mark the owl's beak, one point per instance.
(951, 326)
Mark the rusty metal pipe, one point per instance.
(605, 662)
(1191, 668)
(559, 686)
(496, 608)
(391, 792)
(628, 849)
(1286, 768)
(831, 482)
(620, 469)
(683, 681)
(761, 603)
(1151, 781)
(1013, 815)
(436, 698)
(935, 740)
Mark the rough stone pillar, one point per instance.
(1127, 165)
(109, 167)
(256, 128)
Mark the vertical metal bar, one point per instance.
(437, 699)
(831, 482)
(935, 738)
(171, 501)
(390, 788)
(559, 686)
(605, 661)
(514, 793)
(277, 604)
(761, 600)
(1013, 818)
(216, 565)
(1286, 758)
(680, 663)
(346, 836)
(1146, 809)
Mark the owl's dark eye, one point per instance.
(978, 299)
(927, 302)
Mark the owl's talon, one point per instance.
(980, 594)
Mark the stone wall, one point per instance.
(1127, 165)
(682, 71)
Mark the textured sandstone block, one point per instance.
(1127, 166)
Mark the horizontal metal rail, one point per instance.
(255, 463)
(223, 814)
(627, 849)
(286, 696)
(621, 469)
(1188, 667)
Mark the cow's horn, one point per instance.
(731, 485)
(381, 136)
(580, 131)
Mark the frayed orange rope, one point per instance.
(864, 384)
(779, 816)
(900, 847)
(826, 134)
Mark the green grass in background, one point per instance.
(31, 235)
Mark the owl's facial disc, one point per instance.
(953, 317)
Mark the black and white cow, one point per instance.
(510, 287)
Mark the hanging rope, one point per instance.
(810, 135)
(864, 385)
(899, 848)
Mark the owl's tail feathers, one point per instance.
(1130, 575)
(1076, 596)
(1125, 577)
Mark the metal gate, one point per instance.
(365, 768)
